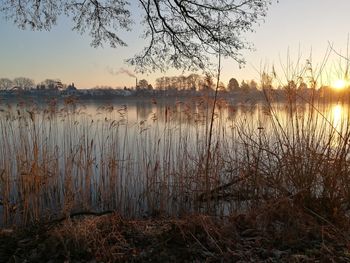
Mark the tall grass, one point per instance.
(63, 158)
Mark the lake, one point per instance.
(144, 157)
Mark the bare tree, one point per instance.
(160, 83)
(253, 85)
(5, 84)
(221, 87)
(245, 85)
(23, 83)
(52, 84)
(194, 81)
(233, 84)
(181, 82)
(180, 33)
(266, 80)
(208, 84)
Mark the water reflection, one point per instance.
(134, 155)
(337, 116)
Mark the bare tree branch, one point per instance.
(180, 33)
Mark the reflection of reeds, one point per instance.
(63, 158)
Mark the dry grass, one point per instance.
(277, 236)
(279, 181)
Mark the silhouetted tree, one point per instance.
(302, 86)
(160, 83)
(167, 83)
(51, 84)
(266, 81)
(222, 87)
(6, 84)
(143, 84)
(233, 85)
(253, 85)
(23, 83)
(193, 81)
(208, 83)
(180, 33)
(182, 83)
(244, 86)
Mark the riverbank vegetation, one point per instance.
(280, 182)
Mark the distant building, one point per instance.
(71, 87)
(70, 90)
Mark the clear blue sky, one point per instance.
(63, 54)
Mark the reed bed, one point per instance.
(62, 158)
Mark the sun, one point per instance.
(339, 84)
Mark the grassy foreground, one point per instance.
(277, 232)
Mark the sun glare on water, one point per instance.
(337, 111)
(339, 84)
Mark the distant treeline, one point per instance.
(193, 84)
(23, 83)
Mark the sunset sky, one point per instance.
(303, 25)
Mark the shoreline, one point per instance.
(278, 232)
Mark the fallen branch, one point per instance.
(81, 213)
(215, 193)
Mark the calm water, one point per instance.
(138, 156)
